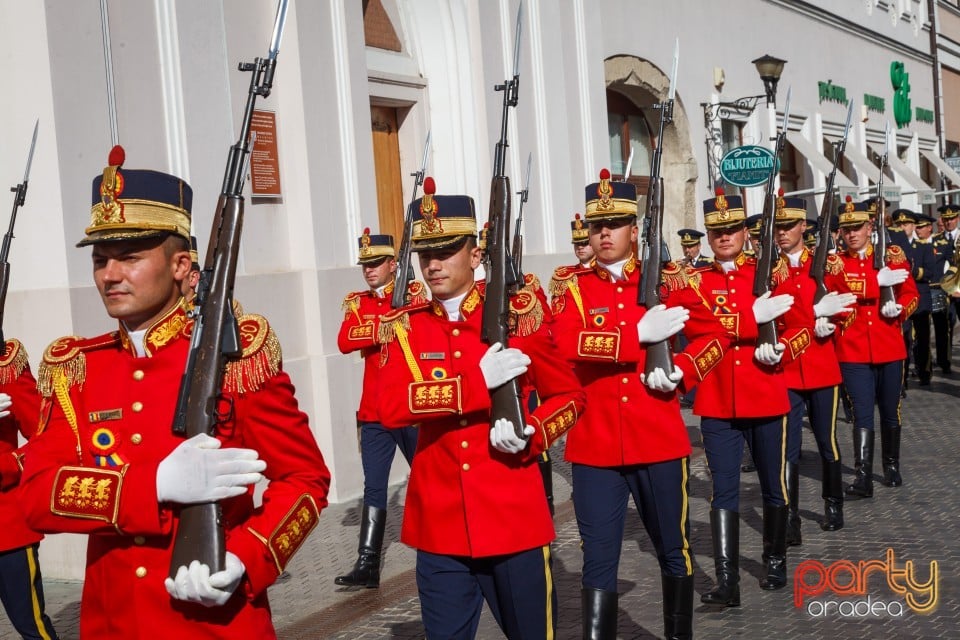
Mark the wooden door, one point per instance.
(386, 162)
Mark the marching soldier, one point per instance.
(476, 510)
(870, 347)
(690, 245)
(107, 464)
(743, 399)
(944, 248)
(810, 234)
(753, 224)
(580, 236)
(632, 441)
(928, 280)
(378, 445)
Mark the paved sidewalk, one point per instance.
(916, 521)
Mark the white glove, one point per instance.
(659, 323)
(197, 585)
(891, 309)
(823, 328)
(500, 365)
(834, 303)
(769, 354)
(660, 380)
(198, 470)
(888, 277)
(504, 438)
(767, 308)
(5, 403)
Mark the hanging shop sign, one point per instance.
(747, 166)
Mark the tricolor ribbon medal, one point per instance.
(720, 305)
(104, 447)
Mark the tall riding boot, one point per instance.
(832, 496)
(599, 614)
(725, 528)
(546, 472)
(793, 504)
(677, 607)
(890, 452)
(862, 486)
(366, 571)
(774, 547)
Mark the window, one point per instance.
(628, 129)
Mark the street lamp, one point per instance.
(770, 69)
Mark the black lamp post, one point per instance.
(770, 69)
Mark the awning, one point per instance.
(901, 169)
(941, 166)
(862, 164)
(816, 159)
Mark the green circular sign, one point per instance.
(747, 166)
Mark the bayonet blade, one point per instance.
(846, 127)
(426, 157)
(626, 172)
(516, 41)
(786, 109)
(278, 29)
(526, 182)
(33, 145)
(673, 74)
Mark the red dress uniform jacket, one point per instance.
(866, 336)
(595, 327)
(464, 497)
(817, 367)
(721, 304)
(17, 382)
(105, 427)
(361, 324)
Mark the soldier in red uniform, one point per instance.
(813, 377)
(743, 399)
(633, 440)
(378, 445)
(106, 463)
(580, 237)
(870, 346)
(21, 585)
(476, 510)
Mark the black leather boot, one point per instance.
(366, 571)
(832, 496)
(862, 486)
(725, 528)
(774, 547)
(792, 473)
(599, 614)
(890, 452)
(546, 472)
(677, 607)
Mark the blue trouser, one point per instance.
(21, 591)
(723, 443)
(870, 385)
(659, 492)
(821, 407)
(517, 587)
(377, 448)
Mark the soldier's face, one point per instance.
(690, 251)
(951, 224)
(856, 238)
(790, 237)
(925, 231)
(583, 251)
(449, 272)
(726, 244)
(612, 241)
(139, 280)
(378, 274)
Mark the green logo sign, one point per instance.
(747, 166)
(901, 94)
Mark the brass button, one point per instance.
(736, 348)
(623, 323)
(625, 380)
(733, 290)
(464, 444)
(463, 422)
(733, 304)
(138, 375)
(136, 438)
(455, 332)
(624, 399)
(141, 572)
(140, 540)
(619, 289)
(869, 323)
(620, 305)
(137, 407)
(466, 466)
(456, 354)
(736, 362)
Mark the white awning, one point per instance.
(862, 163)
(941, 166)
(901, 169)
(816, 159)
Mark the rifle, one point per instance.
(501, 276)
(404, 264)
(887, 293)
(659, 354)
(768, 253)
(517, 251)
(20, 196)
(818, 266)
(216, 338)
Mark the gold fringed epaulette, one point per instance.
(67, 356)
(527, 313)
(416, 293)
(834, 265)
(562, 278)
(261, 356)
(389, 322)
(781, 271)
(531, 282)
(676, 276)
(896, 255)
(351, 302)
(12, 362)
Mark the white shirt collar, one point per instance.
(452, 307)
(615, 269)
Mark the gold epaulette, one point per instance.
(896, 255)
(66, 359)
(527, 312)
(416, 293)
(563, 277)
(352, 302)
(394, 318)
(676, 276)
(12, 362)
(781, 271)
(834, 265)
(261, 356)
(531, 282)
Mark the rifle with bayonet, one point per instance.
(216, 340)
(19, 198)
(769, 254)
(517, 250)
(658, 354)
(887, 294)
(404, 264)
(505, 400)
(818, 266)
